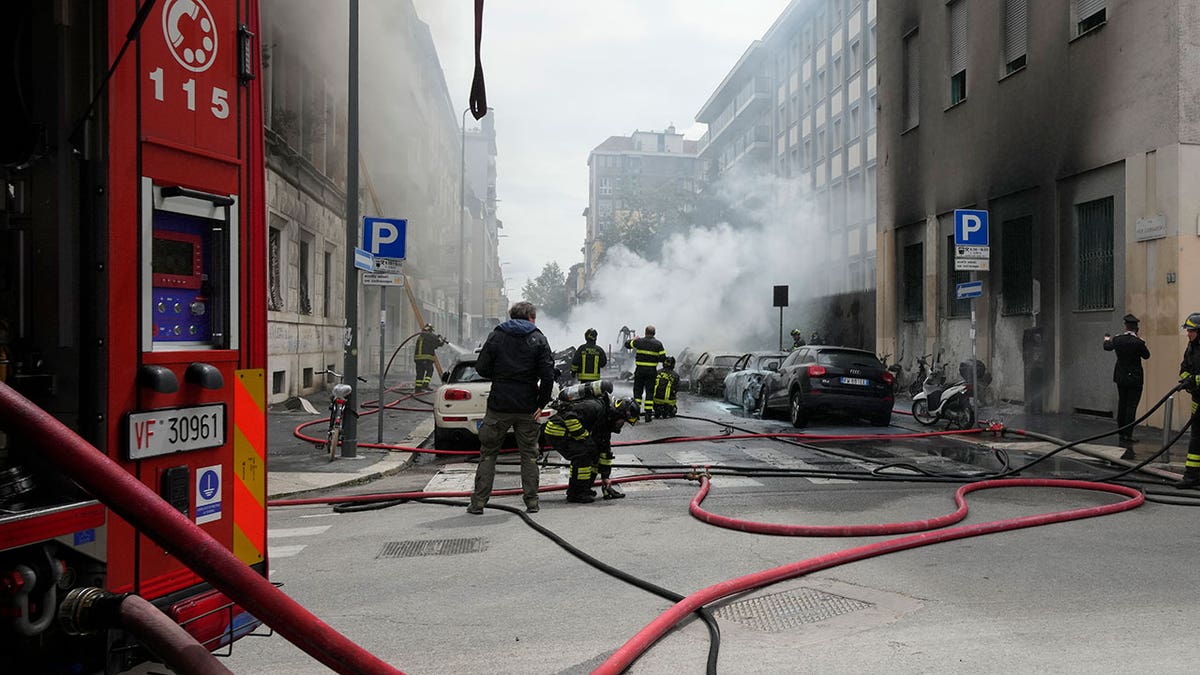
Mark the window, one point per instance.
(278, 382)
(275, 264)
(327, 283)
(912, 82)
(954, 307)
(1094, 247)
(855, 56)
(854, 199)
(853, 127)
(1016, 265)
(914, 278)
(605, 186)
(308, 378)
(1016, 34)
(306, 306)
(958, 52)
(870, 192)
(1088, 14)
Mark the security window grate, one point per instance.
(914, 275)
(1016, 262)
(274, 269)
(1095, 250)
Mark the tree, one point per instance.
(548, 292)
(649, 211)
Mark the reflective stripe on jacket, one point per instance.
(588, 361)
(648, 352)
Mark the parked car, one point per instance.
(819, 380)
(684, 362)
(460, 404)
(708, 375)
(744, 383)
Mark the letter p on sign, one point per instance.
(970, 228)
(384, 237)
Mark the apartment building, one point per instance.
(1072, 122)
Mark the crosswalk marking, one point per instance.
(276, 552)
(778, 459)
(297, 531)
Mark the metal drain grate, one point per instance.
(414, 548)
(790, 609)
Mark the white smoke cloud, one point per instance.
(712, 286)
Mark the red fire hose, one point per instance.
(639, 643)
(172, 530)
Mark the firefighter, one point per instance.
(581, 431)
(589, 358)
(797, 339)
(1189, 377)
(665, 385)
(648, 352)
(427, 342)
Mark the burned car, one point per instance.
(744, 383)
(708, 375)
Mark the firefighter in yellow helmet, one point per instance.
(797, 339)
(1189, 377)
(648, 353)
(427, 343)
(581, 431)
(589, 359)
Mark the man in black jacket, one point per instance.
(1127, 374)
(518, 361)
(1189, 377)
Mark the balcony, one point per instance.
(747, 104)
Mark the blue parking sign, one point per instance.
(384, 237)
(970, 227)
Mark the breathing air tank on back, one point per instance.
(585, 390)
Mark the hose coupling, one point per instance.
(89, 610)
(994, 427)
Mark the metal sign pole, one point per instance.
(382, 329)
(974, 360)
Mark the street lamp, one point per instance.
(462, 224)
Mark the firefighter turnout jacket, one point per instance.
(581, 431)
(427, 343)
(648, 352)
(665, 385)
(589, 359)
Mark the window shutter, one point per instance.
(1086, 8)
(1016, 29)
(958, 37)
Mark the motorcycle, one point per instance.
(981, 383)
(940, 400)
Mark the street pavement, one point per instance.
(298, 467)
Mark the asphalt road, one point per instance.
(488, 594)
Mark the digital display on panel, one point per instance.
(171, 256)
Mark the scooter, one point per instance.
(939, 400)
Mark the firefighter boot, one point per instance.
(1191, 479)
(611, 492)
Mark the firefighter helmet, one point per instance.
(1192, 322)
(429, 327)
(795, 332)
(623, 410)
(590, 334)
(669, 362)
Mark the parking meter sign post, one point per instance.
(781, 301)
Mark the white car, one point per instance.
(460, 404)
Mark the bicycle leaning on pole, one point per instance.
(339, 394)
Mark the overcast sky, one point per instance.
(564, 75)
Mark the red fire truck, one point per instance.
(132, 307)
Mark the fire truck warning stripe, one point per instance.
(249, 466)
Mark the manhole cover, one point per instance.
(790, 609)
(414, 548)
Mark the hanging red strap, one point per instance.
(478, 92)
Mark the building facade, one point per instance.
(411, 166)
(1072, 122)
(635, 182)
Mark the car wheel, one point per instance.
(763, 412)
(749, 403)
(798, 418)
(920, 411)
(882, 419)
(442, 440)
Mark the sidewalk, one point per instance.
(298, 467)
